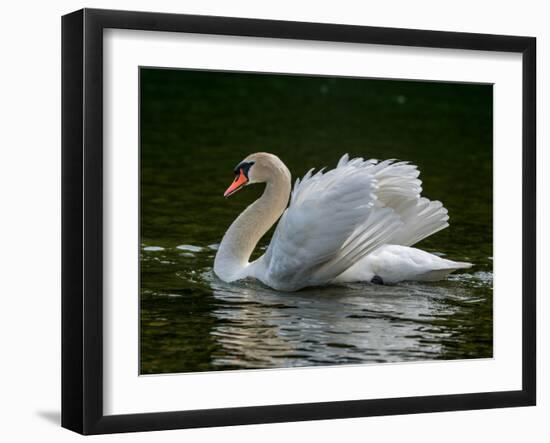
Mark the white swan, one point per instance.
(353, 223)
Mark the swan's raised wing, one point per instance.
(399, 188)
(334, 219)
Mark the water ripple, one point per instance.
(248, 325)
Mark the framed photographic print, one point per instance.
(269, 221)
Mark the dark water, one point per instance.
(195, 126)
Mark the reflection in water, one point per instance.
(207, 324)
(357, 323)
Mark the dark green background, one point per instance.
(196, 126)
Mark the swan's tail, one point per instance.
(443, 272)
(394, 263)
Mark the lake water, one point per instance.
(196, 126)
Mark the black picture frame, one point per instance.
(82, 219)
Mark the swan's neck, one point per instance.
(243, 235)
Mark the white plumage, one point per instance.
(351, 223)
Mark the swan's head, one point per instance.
(260, 167)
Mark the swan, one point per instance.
(354, 223)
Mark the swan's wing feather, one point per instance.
(399, 188)
(332, 221)
(421, 218)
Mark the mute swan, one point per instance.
(353, 223)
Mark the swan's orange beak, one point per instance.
(237, 184)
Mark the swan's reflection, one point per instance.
(259, 327)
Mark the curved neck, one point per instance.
(243, 235)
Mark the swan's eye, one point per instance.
(244, 167)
